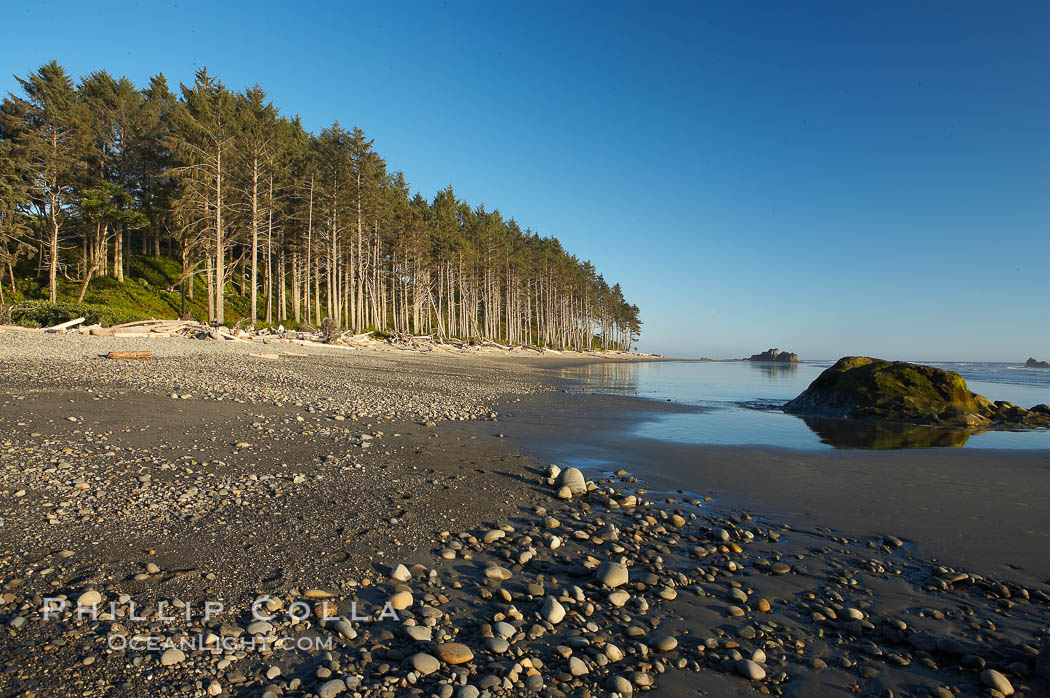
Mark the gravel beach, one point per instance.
(387, 524)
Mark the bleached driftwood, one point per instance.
(64, 325)
(130, 354)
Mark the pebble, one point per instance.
(420, 633)
(454, 653)
(425, 664)
(172, 656)
(618, 684)
(401, 600)
(663, 643)
(993, 679)
(750, 670)
(330, 689)
(552, 611)
(499, 574)
(573, 479)
(89, 598)
(611, 574)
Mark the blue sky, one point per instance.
(827, 177)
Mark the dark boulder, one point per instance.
(859, 387)
(1032, 363)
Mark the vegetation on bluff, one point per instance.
(266, 221)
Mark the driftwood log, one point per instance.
(64, 325)
(130, 354)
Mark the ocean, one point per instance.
(738, 403)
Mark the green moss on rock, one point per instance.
(860, 387)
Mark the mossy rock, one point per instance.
(860, 387)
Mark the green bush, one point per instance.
(44, 314)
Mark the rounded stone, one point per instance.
(419, 633)
(611, 574)
(577, 667)
(497, 645)
(89, 599)
(454, 653)
(259, 627)
(573, 479)
(499, 574)
(993, 679)
(401, 600)
(424, 663)
(552, 611)
(618, 684)
(330, 689)
(400, 574)
(172, 656)
(750, 670)
(663, 643)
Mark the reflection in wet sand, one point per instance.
(605, 376)
(879, 435)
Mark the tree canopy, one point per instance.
(313, 228)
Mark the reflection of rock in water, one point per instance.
(773, 370)
(880, 435)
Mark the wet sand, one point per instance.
(985, 509)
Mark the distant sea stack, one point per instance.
(859, 387)
(1032, 363)
(775, 355)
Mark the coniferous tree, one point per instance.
(48, 136)
(203, 134)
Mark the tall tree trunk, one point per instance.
(52, 284)
(255, 241)
(220, 246)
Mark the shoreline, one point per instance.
(345, 467)
(870, 491)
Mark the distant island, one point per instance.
(775, 355)
(1032, 363)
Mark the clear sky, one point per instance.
(827, 177)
